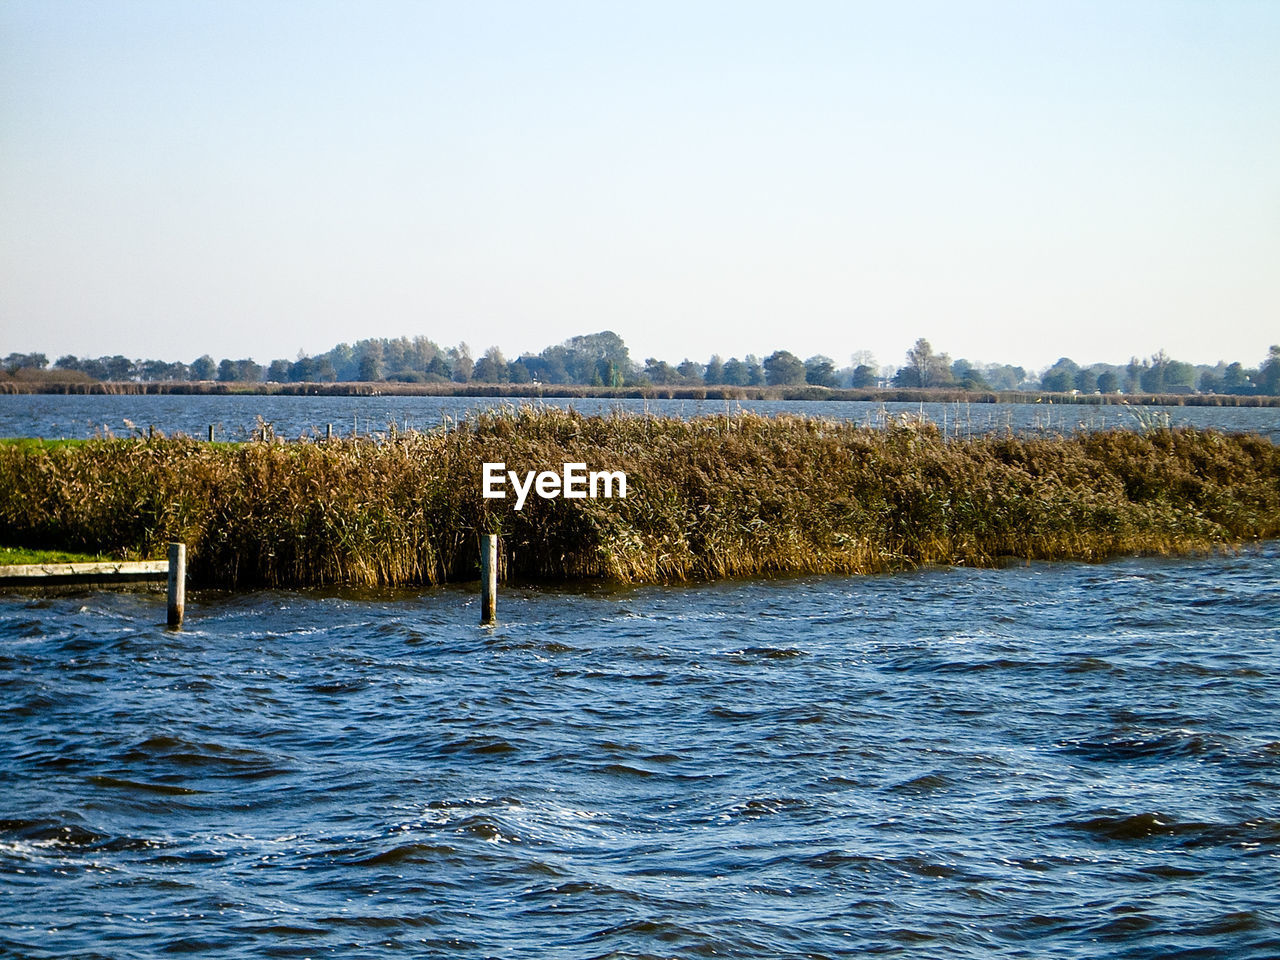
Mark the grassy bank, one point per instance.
(718, 496)
(22, 555)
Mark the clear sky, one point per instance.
(1015, 181)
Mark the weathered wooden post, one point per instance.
(328, 431)
(211, 433)
(488, 579)
(177, 583)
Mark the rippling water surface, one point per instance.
(1043, 761)
(236, 417)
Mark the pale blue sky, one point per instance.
(1015, 181)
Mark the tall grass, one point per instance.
(718, 496)
(74, 382)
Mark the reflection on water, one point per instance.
(1050, 760)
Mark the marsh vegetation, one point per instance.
(712, 497)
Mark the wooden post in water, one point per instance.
(328, 431)
(211, 433)
(488, 579)
(177, 583)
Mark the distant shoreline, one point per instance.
(525, 391)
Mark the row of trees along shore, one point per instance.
(603, 360)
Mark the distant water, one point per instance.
(236, 417)
(1055, 760)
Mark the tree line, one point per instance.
(603, 359)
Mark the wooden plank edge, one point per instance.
(53, 572)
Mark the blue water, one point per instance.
(236, 417)
(1055, 760)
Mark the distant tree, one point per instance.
(659, 371)
(461, 363)
(1061, 377)
(344, 360)
(491, 368)
(1235, 379)
(921, 360)
(548, 366)
(1152, 377)
(397, 357)
(1165, 373)
(517, 372)
(820, 371)
(416, 354)
(494, 356)
(439, 367)
(1056, 381)
(783, 368)
(1133, 375)
(486, 372)
(736, 373)
(615, 374)
(25, 361)
(119, 368)
(1086, 380)
(159, 370)
(1268, 379)
(1179, 374)
(239, 371)
(714, 372)
(864, 375)
(594, 357)
(307, 369)
(369, 360)
(967, 376)
(93, 368)
(278, 371)
(690, 372)
(1108, 382)
(1003, 376)
(755, 371)
(924, 368)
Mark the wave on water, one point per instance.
(911, 766)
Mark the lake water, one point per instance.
(1055, 760)
(236, 417)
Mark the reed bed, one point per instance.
(73, 382)
(713, 497)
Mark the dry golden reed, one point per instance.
(717, 496)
